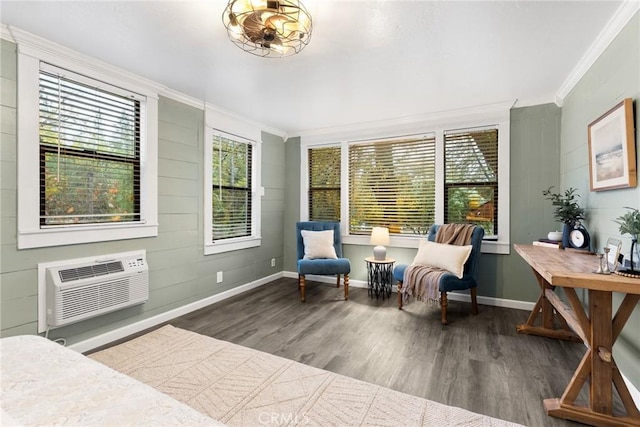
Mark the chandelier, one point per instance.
(268, 28)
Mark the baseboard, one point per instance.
(454, 296)
(125, 331)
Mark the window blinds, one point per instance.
(392, 184)
(89, 152)
(324, 184)
(231, 188)
(471, 178)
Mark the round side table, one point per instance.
(379, 276)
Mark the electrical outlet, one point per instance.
(219, 277)
(273, 262)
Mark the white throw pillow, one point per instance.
(440, 255)
(318, 244)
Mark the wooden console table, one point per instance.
(599, 330)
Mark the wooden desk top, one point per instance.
(574, 269)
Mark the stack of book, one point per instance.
(547, 243)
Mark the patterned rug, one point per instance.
(240, 386)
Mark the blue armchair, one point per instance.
(322, 266)
(449, 282)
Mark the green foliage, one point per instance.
(231, 190)
(566, 208)
(629, 223)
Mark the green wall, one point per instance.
(612, 78)
(179, 272)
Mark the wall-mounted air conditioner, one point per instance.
(78, 291)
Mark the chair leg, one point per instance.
(338, 281)
(474, 300)
(443, 308)
(346, 286)
(301, 286)
(399, 295)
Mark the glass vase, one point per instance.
(634, 255)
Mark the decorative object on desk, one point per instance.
(380, 238)
(555, 236)
(612, 152)
(579, 238)
(599, 270)
(629, 223)
(566, 210)
(615, 246)
(605, 259)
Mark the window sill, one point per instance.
(232, 245)
(488, 247)
(42, 238)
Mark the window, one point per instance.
(471, 178)
(408, 174)
(324, 184)
(87, 150)
(231, 183)
(231, 189)
(89, 153)
(392, 184)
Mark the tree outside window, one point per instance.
(231, 188)
(89, 154)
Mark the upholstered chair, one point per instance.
(322, 254)
(450, 282)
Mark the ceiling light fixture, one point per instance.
(268, 28)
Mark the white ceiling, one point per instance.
(367, 60)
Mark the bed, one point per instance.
(44, 383)
(172, 377)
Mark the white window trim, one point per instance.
(495, 115)
(218, 122)
(31, 52)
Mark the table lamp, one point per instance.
(380, 237)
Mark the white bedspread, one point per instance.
(44, 383)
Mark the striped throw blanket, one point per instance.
(421, 281)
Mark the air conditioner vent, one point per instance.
(85, 272)
(88, 288)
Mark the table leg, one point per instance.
(601, 340)
(598, 368)
(549, 316)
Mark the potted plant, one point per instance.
(566, 210)
(629, 223)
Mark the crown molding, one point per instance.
(481, 114)
(617, 22)
(263, 127)
(43, 49)
(29, 43)
(5, 33)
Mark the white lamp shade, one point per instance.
(380, 237)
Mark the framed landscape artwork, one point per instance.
(612, 150)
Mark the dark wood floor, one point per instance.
(476, 362)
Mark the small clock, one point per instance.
(579, 238)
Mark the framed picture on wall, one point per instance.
(612, 150)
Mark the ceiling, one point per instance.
(367, 60)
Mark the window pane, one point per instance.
(231, 189)
(471, 178)
(392, 184)
(87, 190)
(324, 184)
(89, 154)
